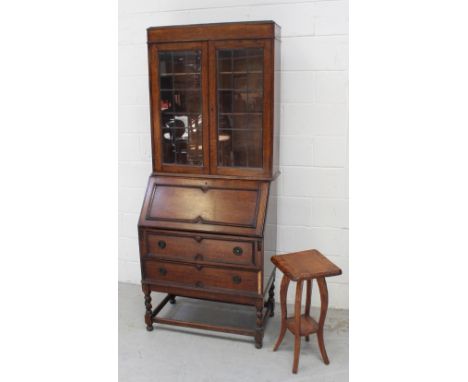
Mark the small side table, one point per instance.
(300, 266)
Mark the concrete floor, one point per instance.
(170, 353)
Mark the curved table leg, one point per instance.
(308, 298)
(283, 295)
(297, 318)
(323, 313)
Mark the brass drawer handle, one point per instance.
(161, 244)
(163, 271)
(199, 284)
(236, 280)
(198, 257)
(237, 251)
(199, 267)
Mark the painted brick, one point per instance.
(129, 147)
(134, 119)
(338, 296)
(269, 230)
(128, 249)
(293, 211)
(133, 60)
(128, 7)
(129, 226)
(343, 263)
(297, 86)
(217, 15)
(132, 27)
(134, 90)
(145, 146)
(315, 53)
(310, 120)
(331, 18)
(331, 87)
(329, 241)
(315, 182)
(273, 203)
(330, 152)
(329, 213)
(131, 199)
(295, 19)
(134, 174)
(295, 150)
(173, 5)
(129, 272)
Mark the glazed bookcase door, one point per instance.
(179, 107)
(241, 107)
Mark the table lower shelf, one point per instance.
(308, 325)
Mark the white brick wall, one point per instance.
(313, 186)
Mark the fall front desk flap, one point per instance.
(206, 205)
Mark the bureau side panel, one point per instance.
(269, 238)
(277, 105)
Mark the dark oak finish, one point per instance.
(208, 39)
(235, 207)
(207, 228)
(300, 267)
(153, 51)
(268, 108)
(221, 31)
(201, 276)
(199, 249)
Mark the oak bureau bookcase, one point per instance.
(207, 228)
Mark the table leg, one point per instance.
(259, 326)
(148, 314)
(297, 317)
(308, 298)
(322, 284)
(271, 298)
(283, 295)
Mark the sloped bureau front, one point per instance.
(219, 206)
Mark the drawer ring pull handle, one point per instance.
(163, 271)
(199, 267)
(236, 280)
(199, 284)
(161, 244)
(237, 251)
(198, 257)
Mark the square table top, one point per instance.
(310, 264)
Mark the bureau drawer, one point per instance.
(198, 248)
(202, 277)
